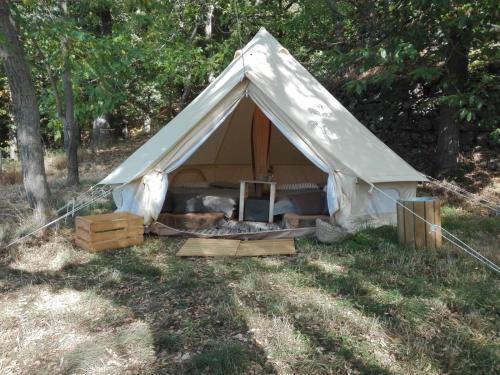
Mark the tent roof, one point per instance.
(313, 116)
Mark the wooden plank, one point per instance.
(272, 197)
(409, 224)
(83, 244)
(242, 201)
(429, 216)
(109, 245)
(420, 225)
(101, 226)
(266, 247)
(111, 216)
(261, 140)
(90, 228)
(135, 222)
(259, 182)
(81, 222)
(437, 221)
(117, 244)
(401, 223)
(208, 247)
(109, 235)
(106, 217)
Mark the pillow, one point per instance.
(284, 206)
(310, 203)
(187, 203)
(298, 186)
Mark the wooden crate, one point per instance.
(108, 231)
(414, 231)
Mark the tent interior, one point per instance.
(246, 146)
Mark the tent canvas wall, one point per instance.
(323, 133)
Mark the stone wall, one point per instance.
(405, 118)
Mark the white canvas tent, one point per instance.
(312, 131)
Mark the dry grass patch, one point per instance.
(11, 174)
(327, 321)
(366, 305)
(49, 256)
(62, 332)
(283, 344)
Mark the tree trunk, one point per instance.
(71, 130)
(208, 16)
(99, 137)
(106, 21)
(101, 121)
(146, 126)
(27, 117)
(448, 132)
(12, 142)
(186, 91)
(336, 16)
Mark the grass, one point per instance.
(363, 306)
(170, 342)
(227, 359)
(366, 305)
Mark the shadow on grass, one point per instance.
(397, 287)
(179, 299)
(193, 309)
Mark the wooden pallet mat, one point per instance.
(209, 247)
(266, 247)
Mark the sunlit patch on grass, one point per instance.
(365, 305)
(64, 330)
(283, 345)
(329, 267)
(50, 256)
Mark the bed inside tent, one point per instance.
(204, 192)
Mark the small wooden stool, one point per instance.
(416, 232)
(272, 195)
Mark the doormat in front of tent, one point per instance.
(209, 247)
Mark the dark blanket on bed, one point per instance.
(309, 202)
(202, 200)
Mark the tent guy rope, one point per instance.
(465, 194)
(68, 213)
(450, 237)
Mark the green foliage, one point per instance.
(153, 52)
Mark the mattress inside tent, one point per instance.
(202, 200)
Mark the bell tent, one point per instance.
(266, 116)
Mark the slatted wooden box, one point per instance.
(108, 231)
(416, 232)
